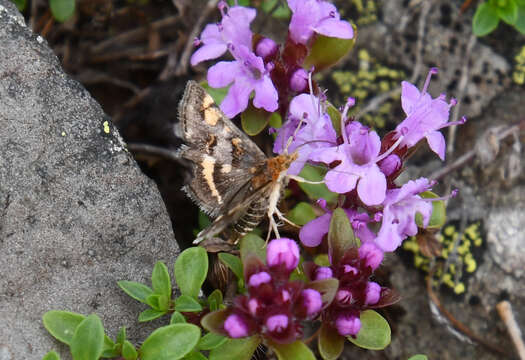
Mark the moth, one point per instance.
(232, 180)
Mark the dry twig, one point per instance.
(505, 312)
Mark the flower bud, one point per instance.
(350, 269)
(347, 324)
(277, 323)
(323, 272)
(344, 296)
(373, 293)
(259, 278)
(266, 48)
(253, 306)
(282, 251)
(390, 164)
(372, 254)
(312, 301)
(235, 326)
(299, 80)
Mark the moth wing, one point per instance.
(233, 214)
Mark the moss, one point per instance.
(370, 79)
(518, 74)
(106, 127)
(467, 253)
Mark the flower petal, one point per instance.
(207, 52)
(372, 187)
(409, 96)
(266, 96)
(335, 28)
(237, 98)
(223, 73)
(312, 233)
(340, 180)
(436, 141)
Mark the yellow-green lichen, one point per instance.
(370, 79)
(518, 74)
(458, 259)
(106, 127)
(367, 11)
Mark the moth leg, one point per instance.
(303, 180)
(272, 226)
(280, 215)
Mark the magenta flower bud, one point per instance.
(285, 296)
(344, 296)
(350, 269)
(259, 278)
(390, 164)
(312, 301)
(253, 306)
(348, 324)
(282, 251)
(235, 326)
(299, 80)
(323, 272)
(266, 48)
(372, 254)
(373, 293)
(277, 323)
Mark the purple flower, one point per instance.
(315, 16)
(259, 278)
(399, 213)
(373, 293)
(266, 48)
(235, 326)
(315, 132)
(299, 80)
(277, 323)
(312, 233)
(371, 253)
(247, 73)
(282, 252)
(425, 116)
(358, 157)
(312, 301)
(234, 29)
(323, 272)
(348, 324)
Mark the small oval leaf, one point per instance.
(128, 351)
(51, 356)
(254, 120)
(327, 51)
(170, 342)
(186, 303)
(121, 336)
(215, 299)
(150, 314)
(191, 268)
(238, 349)
(88, 339)
(330, 343)
(211, 341)
(301, 214)
(293, 351)
(253, 244)
(62, 324)
(136, 290)
(374, 333)
(485, 19)
(418, 357)
(340, 236)
(62, 10)
(160, 280)
(316, 191)
(439, 212)
(177, 317)
(233, 262)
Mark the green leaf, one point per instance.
(21, 5)
(160, 280)
(335, 117)
(418, 357)
(204, 220)
(439, 212)
(316, 191)
(51, 356)
(136, 290)
(121, 336)
(217, 94)
(88, 339)
(322, 260)
(281, 10)
(109, 349)
(254, 120)
(520, 22)
(62, 10)
(215, 299)
(233, 262)
(301, 214)
(327, 287)
(238, 349)
(340, 236)
(186, 303)
(507, 11)
(214, 321)
(170, 342)
(128, 351)
(485, 19)
(158, 302)
(330, 343)
(374, 333)
(211, 341)
(150, 314)
(253, 244)
(327, 51)
(195, 355)
(62, 324)
(295, 350)
(191, 268)
(275, 121)
(177, 317)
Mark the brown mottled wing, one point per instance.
(222, 155)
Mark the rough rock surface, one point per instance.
(76, 213)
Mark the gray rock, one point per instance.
(76, 213)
